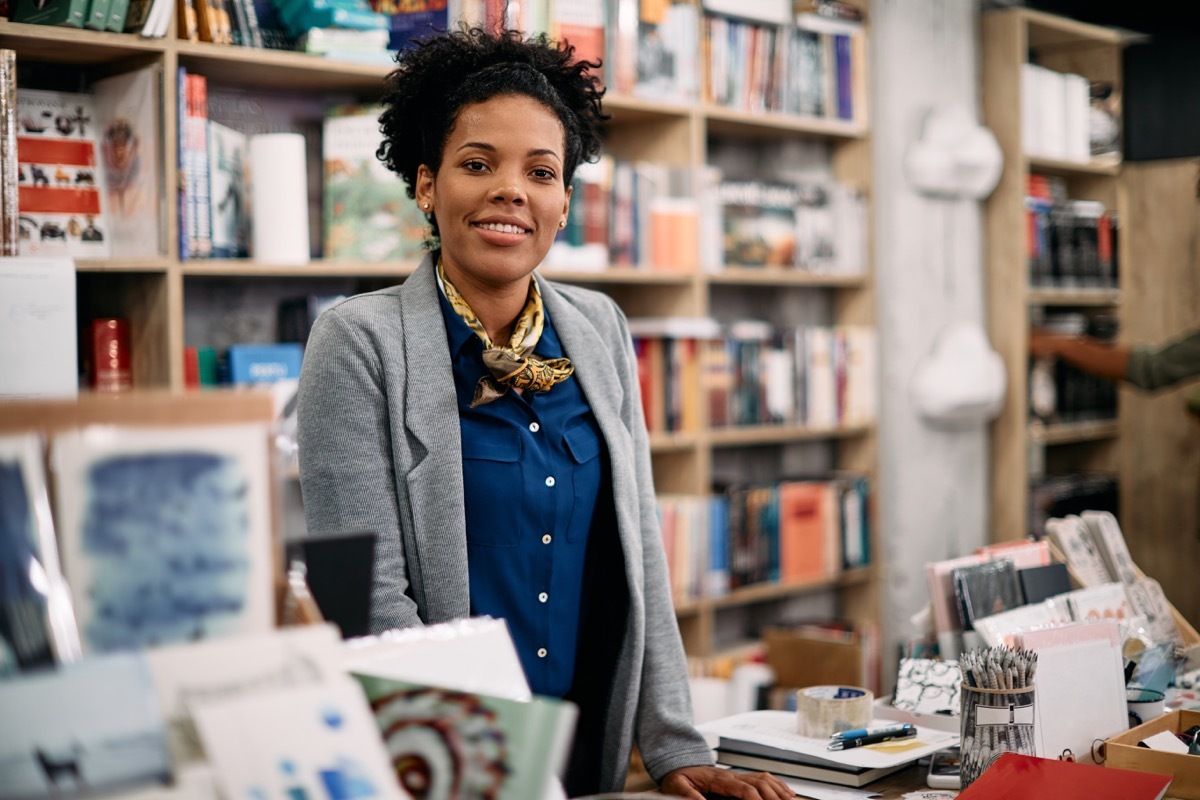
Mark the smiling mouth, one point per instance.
(501, 228)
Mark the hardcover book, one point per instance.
(368, 213)
(66, 13)
(227, 191)
(1016, 775)
(759, 223)
(61, 194)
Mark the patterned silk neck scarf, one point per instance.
(514, 366)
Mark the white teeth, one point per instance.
(501, 228)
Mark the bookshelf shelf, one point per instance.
(1011, 38)
(765, 592)
(1071, 169)
(731, 122)
(779, 277)
(314, 269)
(1074, 432)
(779, 434)
(124, 265)
(74, 46)
(672, 442)
(626, 109)
(1101, 298)
(622, 275)
(249, 66)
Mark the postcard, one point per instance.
(237, 665)
(84, 728)
(165, 532)
(305, 743)
(926, 686)
(37, 627)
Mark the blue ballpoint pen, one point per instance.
(858, 733)
(885, 735)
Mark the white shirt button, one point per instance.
(546, 538)
(550, 481)
(541, 652)
(533, 426)
(543, 597)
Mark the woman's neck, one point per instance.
(496, 307)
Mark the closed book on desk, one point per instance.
(799, 767)
(1014, 775)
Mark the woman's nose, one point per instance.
(508, 189)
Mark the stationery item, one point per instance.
(997, 707)
(1106, 601)
(1146, 597)
(1106, 532)
(800, 767)
(304, 742)
(38, 341)
(825, 710)
(84, 728)
(165, 532)
(927, 686)
(1164, 740)
(986, 589)
(279, 197)
(1072, 537)
(814, 790)
(338, 572)
(1081, 686)
(1017, 775)
(1040, 583)
(861, 737)
(999, 629)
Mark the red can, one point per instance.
(112, 369)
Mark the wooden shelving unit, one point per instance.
(151, 292)
(1010, 38)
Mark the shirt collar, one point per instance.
(458, 333)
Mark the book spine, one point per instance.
(241, 23)
(97, 15)
(253, 31)
(182, 164)
(9, 214)
(117, 12)
(186, 21)
(200, 231)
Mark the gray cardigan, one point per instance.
(381, 452)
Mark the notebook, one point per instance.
(1014, 775)
(340, 571)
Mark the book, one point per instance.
(1040, 583)
(10, 230)
(798, 768)
(151, 560)
(227, 193)
(128, 116)
(117, 11)
(1017, 775)
(63, 199)
(759, 221)
(194, 147)
(40, 351)
(65, 13)
(368, 213)
(986, 589)
(503, 748)
(97, 14)
(187, 26)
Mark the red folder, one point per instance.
(1018, 777)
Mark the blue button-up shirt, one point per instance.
(531, 471)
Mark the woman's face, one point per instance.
(499, 196)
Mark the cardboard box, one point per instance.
(815, 659)
(1122, 752)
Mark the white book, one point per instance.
(38, 352)
(821, 394)
(1051, 111)
(1106, 532)
(1031, 143)
(1076, 113)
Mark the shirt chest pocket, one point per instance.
(492, 481)
(583, 444)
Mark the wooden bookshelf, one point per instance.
(1010, 38)
(151, 292)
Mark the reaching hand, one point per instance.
(693, 782)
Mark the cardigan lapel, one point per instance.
(435, 481)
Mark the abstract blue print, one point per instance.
(168, 537)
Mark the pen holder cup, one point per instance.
(994, 721)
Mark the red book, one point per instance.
(1018, 777)
(111, 359)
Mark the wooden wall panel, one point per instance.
(1160, 441)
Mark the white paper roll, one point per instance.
(279, 199)
(822, 711)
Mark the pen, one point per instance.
(845, 744)
(855, 733)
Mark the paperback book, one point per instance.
(61, 195)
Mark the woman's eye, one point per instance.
(475, 166)
(544, 174)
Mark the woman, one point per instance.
(487, 424)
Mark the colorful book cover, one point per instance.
(165, 533)
(61, 194)
(368, 213)
(227, 177)
(759, 221)
(66, 13)
(411, 19)
(128, 121)
(439, 739)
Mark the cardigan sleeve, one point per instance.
(347, 474)
(666, 737)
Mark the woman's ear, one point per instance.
(424, 189)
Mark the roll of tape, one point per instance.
(825, 710)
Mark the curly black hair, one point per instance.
(440, 74)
